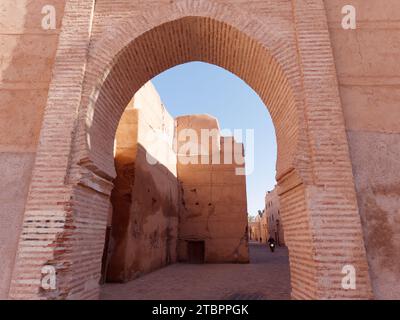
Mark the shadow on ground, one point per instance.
(266, 277)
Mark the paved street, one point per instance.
(266, 277)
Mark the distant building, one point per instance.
(272, 217)
(172, 208)
(253, 228)
(262, 221)
(258, 227)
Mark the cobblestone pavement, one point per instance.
(266, 277)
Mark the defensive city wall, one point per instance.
(168, 204)
(332, 93)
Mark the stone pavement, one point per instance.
(266, 277)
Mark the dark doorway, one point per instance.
(196, 251)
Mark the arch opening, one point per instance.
(310, 146)
(170, 210)
(189, 39)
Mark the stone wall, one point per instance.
(272, 217)
(254, 229)
(368, 78)
(153, 191)
(368, 72)
(214, 205)
(258, 228)
(145, 198)
(27, 54)
(263, 226)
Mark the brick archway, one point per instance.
(94, 80)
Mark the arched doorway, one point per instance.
(93, 82)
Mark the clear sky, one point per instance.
(196, 88)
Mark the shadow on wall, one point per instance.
(145, 218)
(155, 223)
(164, 211)
(27, 57)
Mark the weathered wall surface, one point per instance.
(368, 68)
(145, 197)
(26, 58)
(214, 205)
(263, 226)
(368, 77)
(254, 229)
(259, 231)
(273, 218)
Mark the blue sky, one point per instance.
(196, 87)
